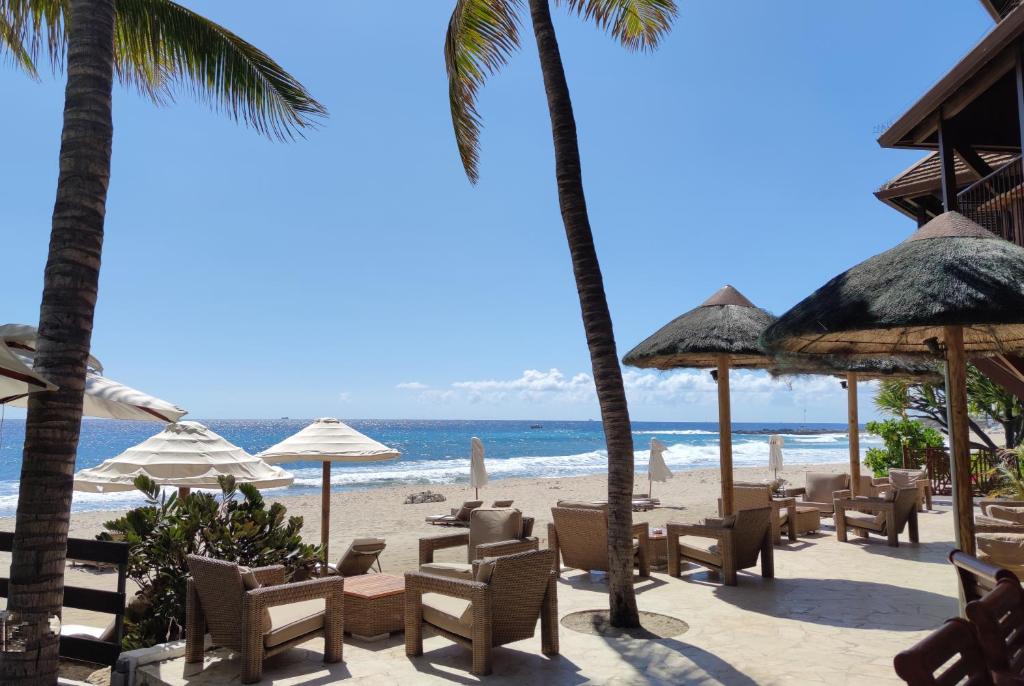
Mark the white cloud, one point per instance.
(412, 386)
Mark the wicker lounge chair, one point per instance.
(499, 605)
(502, 503)
(459, 516)
(491, 533)
(950, 655)
(977, 577)
(756, 496)
(259, 615)
(998, 617)
(360, 557)
(739, 540)
(886, 515)
(821, 490)
(579, 536)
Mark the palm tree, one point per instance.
(154, 45)
(481, 36)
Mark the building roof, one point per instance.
(985, 71)
(997, 9)
(907, 191)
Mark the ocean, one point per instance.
(437, 452)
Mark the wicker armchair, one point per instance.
(909, 478)
(491, 533)
(459, 515)
(579, 537)
(949, 655)
(739, 540)
(998, 617)
(499, 605)
(886, 515)
(821, 491)
(756, 496)
(262, 615)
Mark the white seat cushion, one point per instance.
(451, 614)
(291, 621)
(699, 548)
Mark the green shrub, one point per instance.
(896, 433)
(163, 532)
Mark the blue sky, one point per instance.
(357, 273)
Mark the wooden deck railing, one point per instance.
(997, 201)
(985, 475)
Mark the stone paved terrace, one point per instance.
(835, 614)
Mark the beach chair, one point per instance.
(821, 490)
(907, 478)
(947, 656)
(756, 496)
(579, 536)
(492, 532)
(360, 557)
(977, 577)
(503, 503)
(886, 515)
(500, 604)
(257, 614)
(998, 617)
(739, 540)
(459, 516)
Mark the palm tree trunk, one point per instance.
(65, 331)
(597, 321)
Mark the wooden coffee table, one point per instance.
(374, 605)
(657, 548)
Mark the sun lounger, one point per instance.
(457, 517)
(360, 557)
(503, 503)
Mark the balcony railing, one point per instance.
(997, 201)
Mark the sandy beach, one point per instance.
(688, 496)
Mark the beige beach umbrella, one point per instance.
(657, 470)
(775, 454)
(721, 334)
(185, 454)
(17, 378)
(328, 440)
(477, 469)
(950, 290)
(104, 398)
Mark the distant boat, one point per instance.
(536, 426)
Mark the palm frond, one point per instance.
(13, 47)
(162, 46)
(482, 34)
(637, 24)
(30, 27)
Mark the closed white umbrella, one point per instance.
(104, 398)
(477, 470)
(185, 454)
(775, 454)
(657, 470)
(328, 440)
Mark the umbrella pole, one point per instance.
(325, 507)
(183, 491)
(959, 440)
(853, 426)
(725, 433)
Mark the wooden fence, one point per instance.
(985, 475)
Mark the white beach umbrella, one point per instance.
(16, 376)
(657, 470)
(104, 398)
(775, 454)
(477, 469)
(185, 454)
(328, 440)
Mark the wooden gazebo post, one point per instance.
(725, 433)
(959, 439)
(853, 427)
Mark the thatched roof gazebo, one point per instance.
(851, 371)
(951, 288)
(722, 333)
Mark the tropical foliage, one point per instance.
(897, 433)
(238, 527)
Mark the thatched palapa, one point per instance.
(725, 324)
(866, 368)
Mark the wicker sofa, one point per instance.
(739, 541)
(256, 614)
(578, 535)
(499, 605)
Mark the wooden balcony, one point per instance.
(997, 201)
